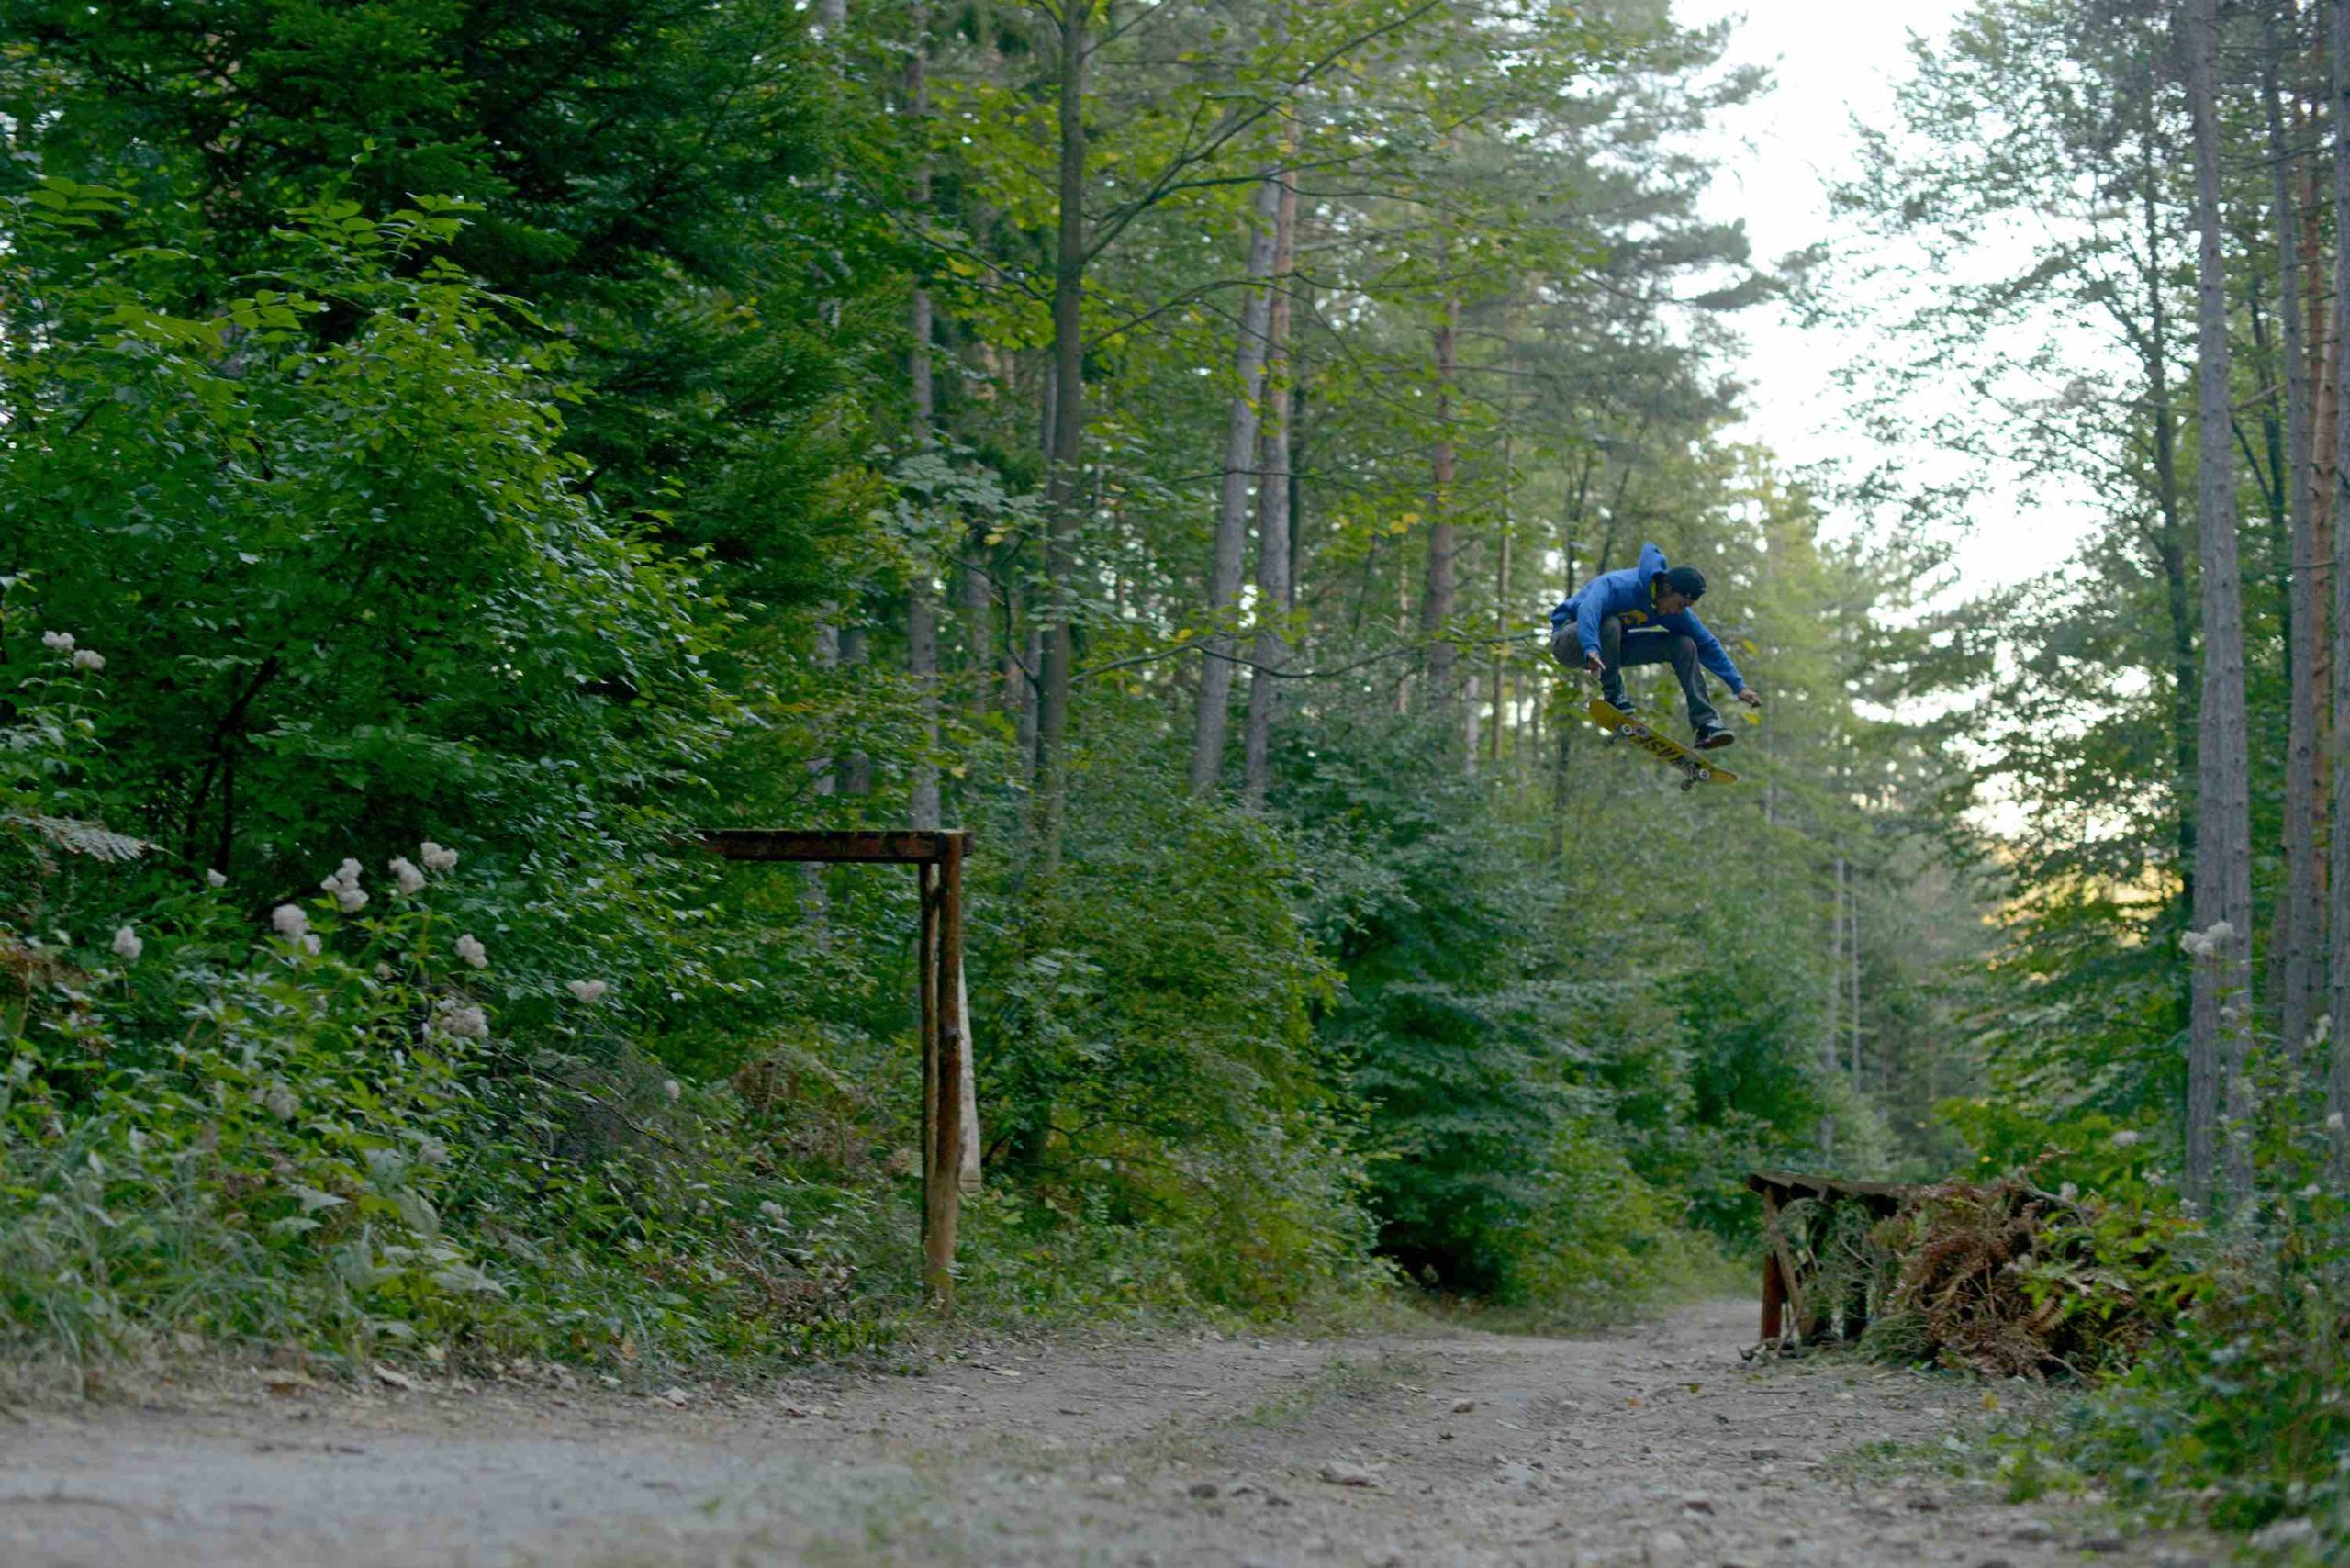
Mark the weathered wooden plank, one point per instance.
(897, 848)
(1794, 1183)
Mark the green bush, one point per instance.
(1600, 1241)
(2240, 1413)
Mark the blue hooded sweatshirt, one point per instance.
(1625, 595)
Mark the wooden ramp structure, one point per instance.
(1818, 1282)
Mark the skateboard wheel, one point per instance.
(1634, 731)
(1688, 785)
(1704, 773)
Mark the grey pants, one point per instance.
(1620, 649)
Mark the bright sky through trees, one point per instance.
(1831, 61)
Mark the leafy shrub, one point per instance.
(1601, 1241)
(326, 1137)
(2239, 1411)
(1149, 1064)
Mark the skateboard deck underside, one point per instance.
(1694, 766)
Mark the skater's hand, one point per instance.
(1751, 696)
(1594, 663)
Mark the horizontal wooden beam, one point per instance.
(1788, 1184)
(886, 848)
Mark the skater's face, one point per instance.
(1670, 601)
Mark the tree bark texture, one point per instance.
(1437, 600)
(2220, 1030)
(1212, 716)
(1853, 963)
(1276, 519)
(2299, 932)
(923, 809)
(2337, 1083)
(1063, 495)
(2170, 546)
(1832, 1036)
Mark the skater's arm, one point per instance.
(1711, 654)
(1588, 614)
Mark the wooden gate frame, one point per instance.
(937, 859)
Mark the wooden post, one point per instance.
(941, 1177)
(1775, 1298)
(938, 858)
(926, 969)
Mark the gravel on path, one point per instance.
(1650, 1447)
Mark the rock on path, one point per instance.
(1452, 1449)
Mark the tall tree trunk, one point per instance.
(1276, 519)
(1437, 600)
(979, 638)
(2300, 925)
(1211, 717)
(1500, 694)
(1853, 963)
(1498, 688)
(2337, 1083)
(2324, 348)
(1832, 1034)
(2222, 1024)
(2170, 546)
(1064, 494)
(1403, 629)
(815, 905)
(856, 768)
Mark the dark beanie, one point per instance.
(1687, 581)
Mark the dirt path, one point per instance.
(1653, 1446)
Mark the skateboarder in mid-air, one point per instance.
(1640, 615)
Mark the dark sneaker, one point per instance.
(1624, 705)
(1711, 738)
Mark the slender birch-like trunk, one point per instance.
(2337, 1083)
(2221, 1031)
(1276, 519)
(2301, 916)
(1437, 600)
(1212, 716)
(1063, 495)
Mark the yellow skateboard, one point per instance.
(1692, 765)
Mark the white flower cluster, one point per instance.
(772, 1210)
(2209, 944)
(127, 945)
(343, 886)
(405, 876)
(589, 990)
(62, 643)
(461, 1019)
(2128, 1139)
(439, 859)
(216, 880)
(295, 926)
(473, 952)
